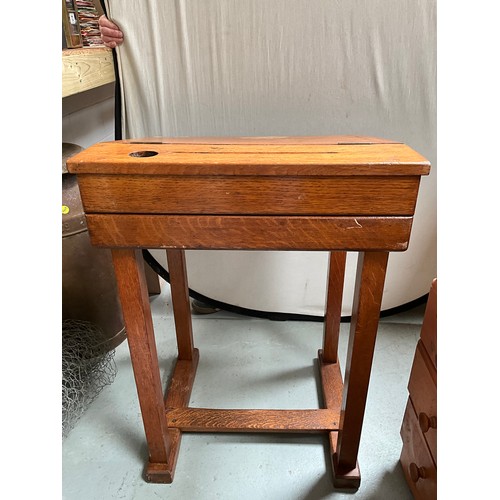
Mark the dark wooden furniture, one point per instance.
(419, 427)
(343, 193)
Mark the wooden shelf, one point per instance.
(85, 69)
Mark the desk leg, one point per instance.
(152, 280)
(180, 303)
(368, 291)
(133, 292)
(333, 309)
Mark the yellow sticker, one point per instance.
(65, 209)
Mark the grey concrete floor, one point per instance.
(244, 363)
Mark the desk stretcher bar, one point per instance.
(337, 193)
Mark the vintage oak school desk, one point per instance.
(336, 194)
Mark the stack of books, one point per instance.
(88, 17)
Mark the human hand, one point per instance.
(110, 33)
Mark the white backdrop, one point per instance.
(287, 67)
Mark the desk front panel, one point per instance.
(251, 232)
(250, 195)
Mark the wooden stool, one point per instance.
(337, 194)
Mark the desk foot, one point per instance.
(342, 479)
(164, 472)
(332, 387)
(158, 473)
(177, 396)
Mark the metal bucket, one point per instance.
(89, 290)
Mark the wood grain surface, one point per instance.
(249, 232)
(134, 298)
(333, 306)
(86, 68)
(249, 159)
(368, 290)
(415, 455)
(319, 139)
(302, 195)
(215, 420)
(181, 306)
(422, 387)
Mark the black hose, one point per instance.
(274, 316)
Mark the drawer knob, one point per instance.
(426, 422)
(416, 472)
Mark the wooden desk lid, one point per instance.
(268, 156)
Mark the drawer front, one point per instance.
(423, 394)
(418, 467)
